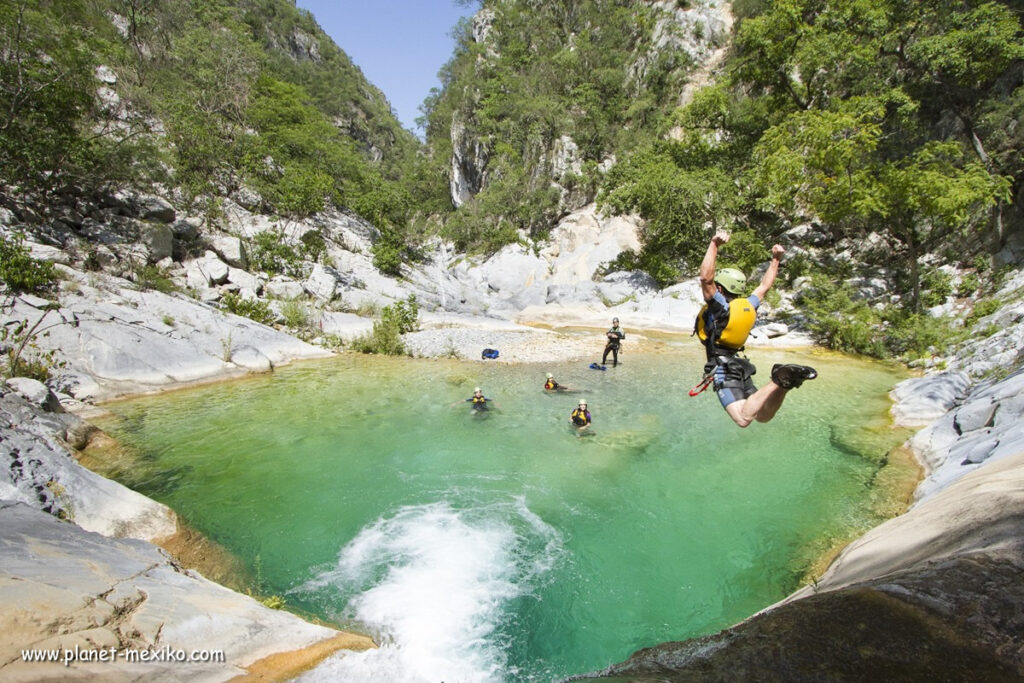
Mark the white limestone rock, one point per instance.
(215, 270)
(158, 239)
(979, 513)
(44, 252)
(127, 594)
(347, 326)
(231, 250)
(122, 343)
(244, 279)
(251, 358)
(35, 392)
(349, 231)
(283, 287)
(950, 449)
(974, 415)
(920, 400)
(773, 330)
(42, 474)
(322, 283)
(512, 269)
(623, 284)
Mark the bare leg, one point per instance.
(761, 405)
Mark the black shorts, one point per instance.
(732, 378)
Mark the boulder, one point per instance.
(186, 230)
(244, 279)
(44, 252)
(158, 239)
(79, 433)
(36, 393)
(230, 250)
(195, 277)
(247, 198)
(104, 74)
(322, 283)
(283, 287)
(773, 330)
(215, 270)
(974, 415)
(143, 206)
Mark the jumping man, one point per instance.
(724, 325)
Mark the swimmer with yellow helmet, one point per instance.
(580, 417)
(723, 326)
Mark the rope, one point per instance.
(704, 384)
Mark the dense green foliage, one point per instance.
(892, 117)
(386, 337)
(899, 119)
(584, 69)
(55, 133)
(18, 270)
(206, 96)
(254, 309)
(840, 320)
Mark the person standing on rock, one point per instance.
(615, 336)
(723, 326)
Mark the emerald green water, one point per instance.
(504, 547)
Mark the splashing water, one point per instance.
(434, 584)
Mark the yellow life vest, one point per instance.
(580, 416)
(479, 399)
(742, 315)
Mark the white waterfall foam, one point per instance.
(435, 583)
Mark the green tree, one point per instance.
(46, 94)
(916, 200)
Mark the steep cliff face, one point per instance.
(549, 95)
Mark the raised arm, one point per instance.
(768, 279)
(707, 266)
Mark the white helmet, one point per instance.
(550, 375)
(476, 390)
(583, 401)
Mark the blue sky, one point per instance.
(399, 45)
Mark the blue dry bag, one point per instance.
(489, 353)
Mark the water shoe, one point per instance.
(792, 376)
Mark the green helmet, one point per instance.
(731, 279)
